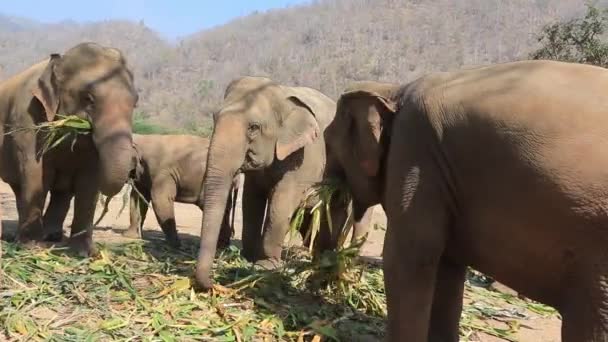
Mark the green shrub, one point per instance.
(579, 40)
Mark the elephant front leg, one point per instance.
(163, 197)
(413, 246)
(447, 302)
(29, 196)
(281, 206)
(55, 214)
(85, 201)
(254, 208)
(138, 208)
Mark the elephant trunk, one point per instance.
(224, 158)
(113, 139)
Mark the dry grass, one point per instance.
(143, 291)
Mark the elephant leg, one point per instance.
(85, 202)
(584, 307)
(137, 214)
(281, 206)
(254, 208)
(55, 214)
(413, 245)
(163, 197)
(447, 302)
(30, 203)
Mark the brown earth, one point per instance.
(188, 217)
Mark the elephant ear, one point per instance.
(299, 129)
(370, 123)
(46, 91)
(318, 104)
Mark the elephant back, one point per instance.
(321, 105)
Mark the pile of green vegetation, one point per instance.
(144, 290)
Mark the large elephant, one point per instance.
(502, 168)
(274, 134)
(91, 81)
(171, 168)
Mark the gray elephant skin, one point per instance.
(274, 135)
(93, 82)
(171, 168)
(502, 168)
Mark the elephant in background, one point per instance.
(274, 135)
(502, 168)
(93, 82)
(171, 168)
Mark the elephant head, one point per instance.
(359, 136)
(259, 123)
(94, 82)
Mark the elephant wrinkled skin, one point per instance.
(171, 168)
(274, 135)
(90, 81)
(502, 168)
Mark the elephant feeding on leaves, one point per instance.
(171, 168)
(274, 135)
(91, 81)
(503, 168)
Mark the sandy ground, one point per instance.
(189, 217)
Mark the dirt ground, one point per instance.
(189, 217)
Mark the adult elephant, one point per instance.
(502, 168)
(91, 81)
(274, 134)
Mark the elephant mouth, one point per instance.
(251, 163)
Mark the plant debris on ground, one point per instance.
(142, 291)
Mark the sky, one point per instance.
(170, 18)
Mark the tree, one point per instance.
(577, 40)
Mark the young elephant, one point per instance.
(90, 81)
(171, 168)
(274, 134)
(502, 168)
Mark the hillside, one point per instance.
(325, 44)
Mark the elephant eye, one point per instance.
(253, 129)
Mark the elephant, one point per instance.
(273, 134)
(93, 82)
(171, 168)
(501, 168)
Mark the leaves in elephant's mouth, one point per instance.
(66, 128)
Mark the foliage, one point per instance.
(323, 44)
(579, 40)
(143, 289)
(66, 129)
(142, 125)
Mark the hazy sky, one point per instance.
(172, 18)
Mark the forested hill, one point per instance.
(324, 44)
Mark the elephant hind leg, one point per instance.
(163, 198)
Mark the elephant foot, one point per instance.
(223, 244)
(269, 264)
(25, 236)
(131, 233)
(174, 242)
(82, 246)
(56, 236)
